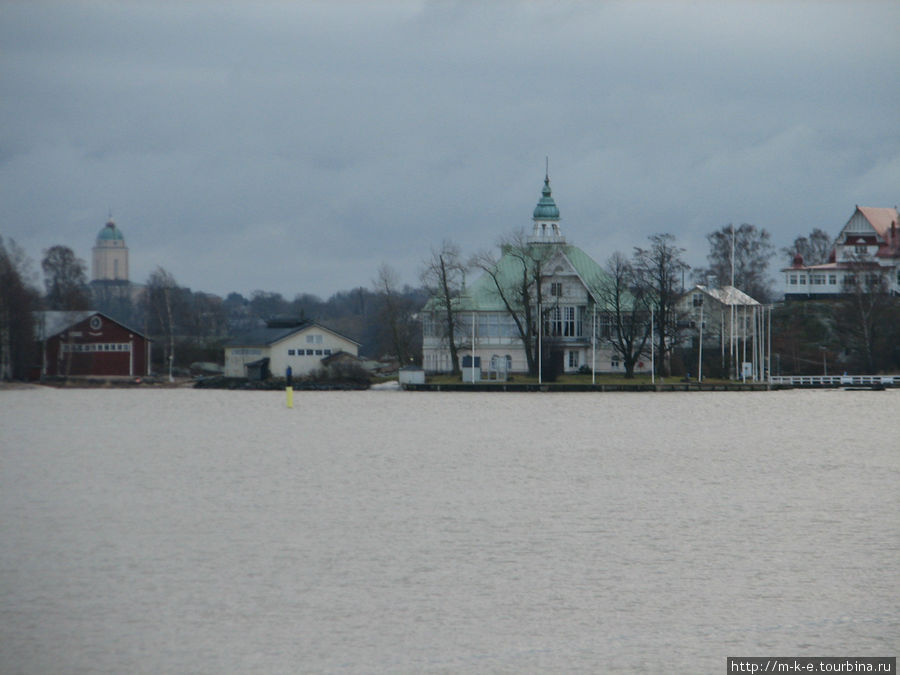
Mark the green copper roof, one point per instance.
(110, 233)
(546, 208)
(482, 295)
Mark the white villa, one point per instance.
(868, 244)
(486, 330)
(302, 345)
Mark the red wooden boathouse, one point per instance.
(90, 343)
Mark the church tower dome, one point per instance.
(110, 255)
(110, 233)
(546, 218)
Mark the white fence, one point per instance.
(837, 380)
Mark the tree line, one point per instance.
(640, 293)
(859, 331)
(187, 326)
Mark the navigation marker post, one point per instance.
(289, 388)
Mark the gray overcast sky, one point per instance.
(294, 146)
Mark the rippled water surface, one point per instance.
(208, 531)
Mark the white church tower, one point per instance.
(110, 255)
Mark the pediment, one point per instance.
(858, 225)
(559, 265)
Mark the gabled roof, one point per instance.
(883, 223)
(278, 331)
(726, 295)
(54, 322)
(591, 273)
(881, 219)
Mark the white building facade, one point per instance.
(300, 345)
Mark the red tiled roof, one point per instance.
(885, 222)
(881, 219)
(833, 266)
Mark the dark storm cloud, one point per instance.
(296, 146)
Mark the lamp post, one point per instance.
(824, 351)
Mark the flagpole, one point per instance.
(744, 340)
(540, 347)
(769, 357)
(732, 348)
(700, 353)
(594, 347)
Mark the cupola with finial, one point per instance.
(546, 217)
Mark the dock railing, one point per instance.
(837, 380)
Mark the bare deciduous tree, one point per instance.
(443, 277)
(752, 248)
(814, 249)
(658, 272)
(65, 278)
(159, 294)
(18, 299)
(866, 314)
(267, 305)
(624, 300)
(396, 314)
(517, 279)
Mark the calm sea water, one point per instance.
(213, 532)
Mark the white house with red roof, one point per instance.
(869, 244)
